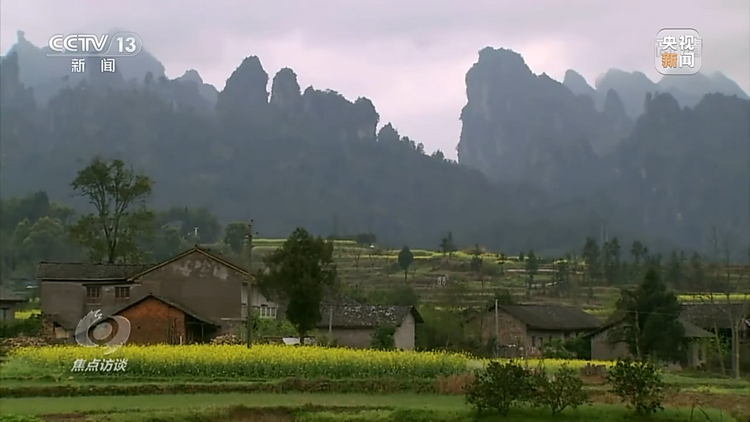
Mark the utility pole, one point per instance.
(249, 307)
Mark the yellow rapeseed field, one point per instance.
(261, 362)
(231, 361)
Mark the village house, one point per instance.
(531, 326)
(353, 325)
(196, 295)
(189, 298)
(719, 317)
(8, 304)
(602, 349)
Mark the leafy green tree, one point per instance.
(168, 243)
(234, 236)
(121, 221)
(612, 264)
(532, 267)
(383, 337)
(447, 247)
(405, 259)
(45, 240)
(674, 270)
(562, 277)
(696, 271)
(590, 255)
(366, 239)
(299, 274)
(189, 219)
(638, 252)
(476, 259)
(650, 325)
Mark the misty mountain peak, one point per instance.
(613, 104)
(192, 75)
(504, 63)
(577, 83)
(285, 90)
(249, 81)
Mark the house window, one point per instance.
(122, 292)
(267, 312)
(5, 313)
(533, 341)
(700, 353)
(93, 294)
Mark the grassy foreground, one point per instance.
(297, 408)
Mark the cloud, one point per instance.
(410, 56)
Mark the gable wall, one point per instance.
(203, 285)
(509, 329)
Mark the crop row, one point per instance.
(261, 362)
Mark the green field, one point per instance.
(330, 407)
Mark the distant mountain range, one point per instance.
(542, 164)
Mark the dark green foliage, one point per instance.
(500, 386)
(235, 235)
(579, 346)
(300, 274)
(382, 338)
(557, 392)
(121, 223)
(30, 327)
(555, 349)
(650, 321)
(365, 239)
(639, 384)
(405, 259)
(20, 418)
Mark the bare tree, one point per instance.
(726, 294)
(356, 254)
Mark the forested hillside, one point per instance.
(313, 158)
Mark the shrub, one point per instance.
(382, 338)
(639, 384)
(500, 386)
(19, 418)
(21, 327)
(562, 390)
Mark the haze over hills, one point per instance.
(543, 164)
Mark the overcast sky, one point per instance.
(410, 56)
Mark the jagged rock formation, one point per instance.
(285, 91)
(207, 91)
(577, 84)
(687, 90)
(519, 127)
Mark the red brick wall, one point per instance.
(153, 321)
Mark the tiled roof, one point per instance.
(169, 302)
(366, 316)
(6, 295)
(75, 271)
(709, 315)
(549, 317)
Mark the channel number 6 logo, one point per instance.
(102, 331)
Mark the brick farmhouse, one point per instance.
(189, 298)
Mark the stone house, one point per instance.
(8, 304)
(197, 293)
(189, 298)
(718, 318)
(352, 324)
(602, 349)
(529, 327)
